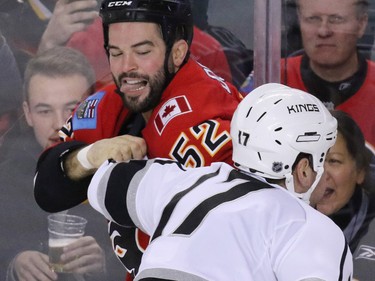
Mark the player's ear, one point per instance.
(304, 176)
(179, 51)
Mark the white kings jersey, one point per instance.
(215, 223)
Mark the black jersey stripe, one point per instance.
(168, 210)
(194, 219)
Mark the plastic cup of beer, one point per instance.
(63, 229)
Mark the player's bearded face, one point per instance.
(153, 85)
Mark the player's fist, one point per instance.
(121, 148)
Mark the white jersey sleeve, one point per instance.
(215, 223)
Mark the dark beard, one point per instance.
(157, 86)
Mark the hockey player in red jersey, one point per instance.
(252, 222)
(164, 104)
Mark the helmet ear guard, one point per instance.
(273, 124)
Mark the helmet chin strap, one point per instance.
(304, 196)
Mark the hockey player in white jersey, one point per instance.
(251, 222)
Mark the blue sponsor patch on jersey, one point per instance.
(85, 117)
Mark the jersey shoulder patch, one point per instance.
(85, 117)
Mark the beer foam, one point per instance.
(60, 242)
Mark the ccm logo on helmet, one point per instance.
(119, 3)
(303, 108)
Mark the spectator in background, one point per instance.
(240, 58)
(364, 256)
(24, 23)
(292, 42)
(69, 17)
(348, 200)
(90, 43)
(331, 67)
(10, 92)
(55, 82)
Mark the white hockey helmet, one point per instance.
(273, 124)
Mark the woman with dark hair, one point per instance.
(348, 201)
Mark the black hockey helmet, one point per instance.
(173, 16)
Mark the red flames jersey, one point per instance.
(191, 124)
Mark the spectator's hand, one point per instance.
(33, 266)
(84, 256)
(121, 148)
(68, 17)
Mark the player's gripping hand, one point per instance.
(32, 266)
(121, 148)
(87, 160)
